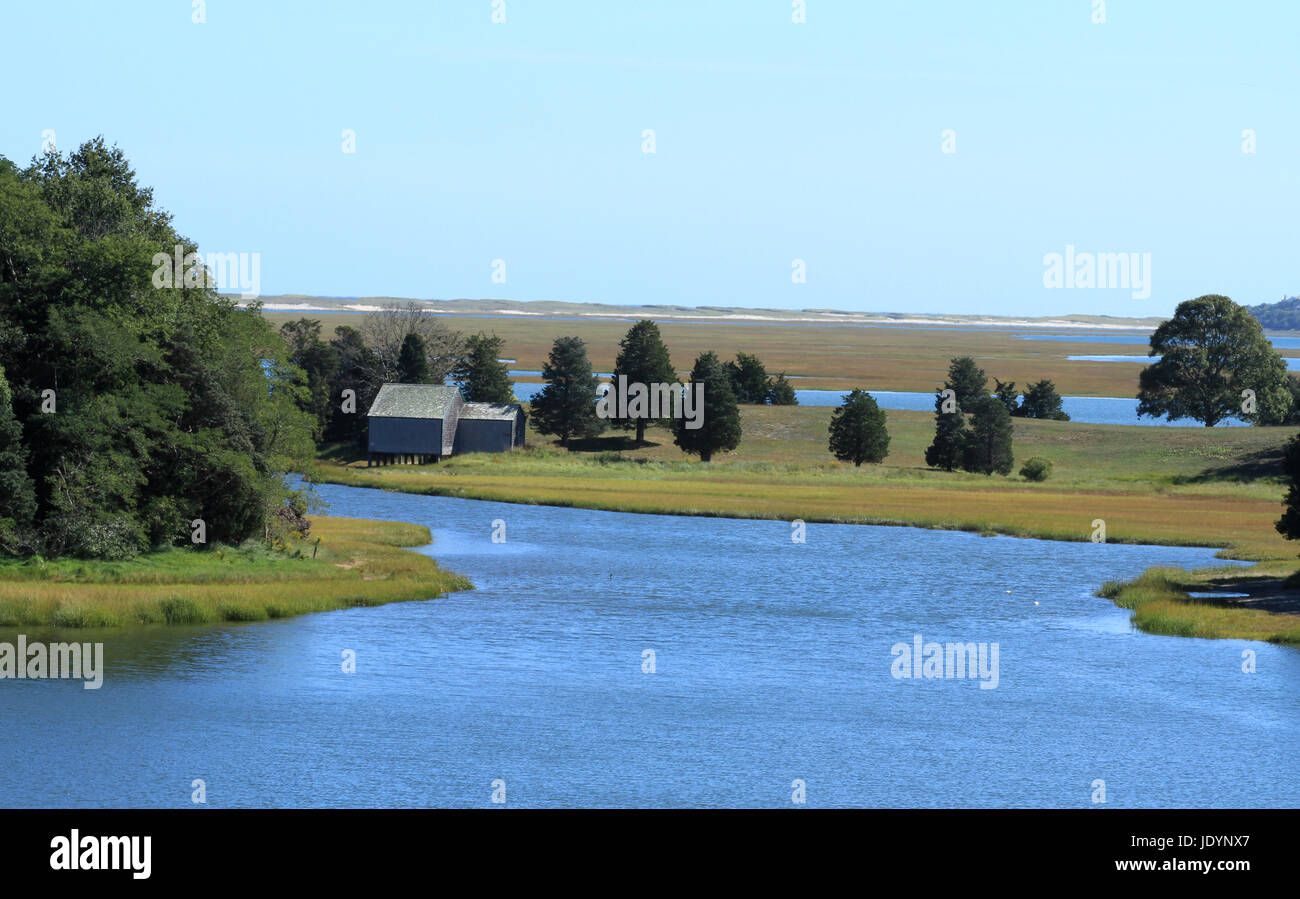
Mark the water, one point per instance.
(1292, 363)
(772, 663)
(1103, 410)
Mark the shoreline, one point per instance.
(359, 562)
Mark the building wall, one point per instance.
(480, 436)
(407, 435)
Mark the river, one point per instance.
(772, 663)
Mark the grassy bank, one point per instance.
(1161, 603)
(1176, 486)
(357, 563)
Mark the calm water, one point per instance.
(772, 663)
(1103, 410)
(1292, 363)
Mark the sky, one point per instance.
(508, 159)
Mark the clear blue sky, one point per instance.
(774, 141)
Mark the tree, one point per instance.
(967, 380)
(988, 447)
(1289, 524)
(1211, 353)
(146, 399)
(1042, 401)
(1007, 395)
(413, 361)
(950, 436)
(385, 331)
(642, 359)
(780, 392)
(17, 495)
(566, 406)
(318, 361)
(748, 379)
(359, 371)
(857, 431)
(719, 414)
(481, 374)
(969, 388)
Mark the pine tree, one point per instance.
(642, 359)
(988, 447)
(968, 381)
(857, 431)
(950, 436)
(482, 377)
(413, 361)
(566, 406)
(720, 427)
(1042, 401)
(748, 379)
(780, 392)
(1007, 395)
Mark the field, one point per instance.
(356, 563)
(884, 357)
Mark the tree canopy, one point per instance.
(481, 374)
(643, 359)
(720, 428)
(857, 430)
(566, 406)
(141, 408)
(1215, 363)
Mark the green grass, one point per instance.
(1173, 486)
(1161, 604)
(357, 563)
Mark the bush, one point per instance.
(1036, 469)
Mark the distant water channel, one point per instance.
(771, 663)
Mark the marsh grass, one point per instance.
(358, 563)
(1161, 604)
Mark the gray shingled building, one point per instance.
(424, 422)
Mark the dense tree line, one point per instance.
(128, 410)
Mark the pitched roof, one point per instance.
(489, 411)
(413, 401)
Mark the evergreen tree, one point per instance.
(988, 446)
(780, 392)
(566, 406)
(642, 359)
(17, 496)
(359, 371)
(748, 379)
(720, 425)
(950, 435)
(1042, 401)
(481, 375)
(968, 381)
(413, 361)
(857, 431)
(1007, 395)
(1289, 524)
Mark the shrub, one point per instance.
(1036, 469)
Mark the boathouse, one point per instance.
(424, 422)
